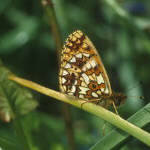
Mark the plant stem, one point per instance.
(89, 107)
(48, 5)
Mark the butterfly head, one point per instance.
(119, 99)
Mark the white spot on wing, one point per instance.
(73, 60)
(83, 84)
(94, 94)
(73, 38)
(106, 90)
(93, 75)
(75, 83)
(102, 89)
(91, 78)
(73, 89)
(99, 92)
(68, 66)
(86, 78)
(79, 55)
(64, 72)
(84, 68)
(83, 90)
(88, 65)
(100, 79)
(81, 96)
(81, 78)
(63, 80)
(93, 63)
(86, 55)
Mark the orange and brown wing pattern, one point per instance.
(82, 73)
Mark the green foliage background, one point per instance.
(27, 48)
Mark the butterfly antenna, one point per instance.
(139, 97)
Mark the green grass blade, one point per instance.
(116, 137)
(91, 108)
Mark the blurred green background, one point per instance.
(122, 38)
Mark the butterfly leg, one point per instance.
(84, 103)
(95, 100)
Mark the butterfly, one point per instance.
(82, 73)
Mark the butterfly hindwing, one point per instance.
(82, 73)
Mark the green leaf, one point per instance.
(117, 137)
(14, 99)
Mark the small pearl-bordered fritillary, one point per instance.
(82, 73)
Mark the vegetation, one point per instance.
(32, 34)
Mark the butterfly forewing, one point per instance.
(82, 73)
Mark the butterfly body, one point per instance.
(82, 73)
(117, 98)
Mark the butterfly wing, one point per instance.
(82, 73)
